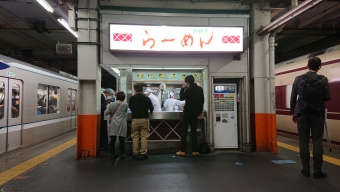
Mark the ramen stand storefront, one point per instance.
(140, 49)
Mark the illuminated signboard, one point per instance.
(175, 38)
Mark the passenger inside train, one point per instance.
(15, 103)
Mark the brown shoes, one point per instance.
(180, 153)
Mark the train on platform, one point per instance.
(35, 104)
(285, 74)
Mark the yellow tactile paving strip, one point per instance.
(27, 165)
(326, 158)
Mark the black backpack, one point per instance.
(311, 92)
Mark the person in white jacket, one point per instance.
(171, 104)
(154, 100)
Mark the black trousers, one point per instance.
(311, 123)
(103, 132)
(121, 145)
(192, 120)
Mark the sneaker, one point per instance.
(195, 154)
(135, 156)
(305, 173)
(143, 157)
(180, 153)
(319, 174)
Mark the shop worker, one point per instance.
(140, 105)
(107, 94)
(307, 106)
(194, 100)
(172, 104)
(154, 100)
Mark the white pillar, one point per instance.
(89, 75)
(263, 110)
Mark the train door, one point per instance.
(10, 114)
(72, 107)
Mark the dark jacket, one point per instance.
(140, 105)
(194, 99)
(294, 105)
(103, 103)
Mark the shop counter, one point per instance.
(167, 126)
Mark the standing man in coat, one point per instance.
(194, 100)
(154, 100)
(140, 105)
(107, 94)
(308, 111)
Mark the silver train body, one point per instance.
(285, 74)
(23, 122)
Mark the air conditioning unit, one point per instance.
(62, 48)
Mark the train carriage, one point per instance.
(285, 74)
(35, 104)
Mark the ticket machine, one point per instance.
(225, 116)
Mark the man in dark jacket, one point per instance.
(308, 111)
(140, 105)
(105, 96)
(194, 100)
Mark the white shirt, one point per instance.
(155, 103)
(170, 103)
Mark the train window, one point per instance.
(74, 96)
(53, 101)
(15, 100)
(69, 95)
(71, 99)
(2, 99)
(48, 101)
(288, 93)
(42, 99)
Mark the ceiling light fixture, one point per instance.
(116, 70)
(46, 5)
(65, 24)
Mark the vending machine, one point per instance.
(225, 116)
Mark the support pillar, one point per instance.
(263, 74)
(89, 76)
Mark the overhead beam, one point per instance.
(32, 30)
(291, 45)
(322, 13)
(307, 32)
(307, 4)
(175, 5)
(8, 46)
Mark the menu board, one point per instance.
(159, 75)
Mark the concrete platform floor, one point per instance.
(167, 172)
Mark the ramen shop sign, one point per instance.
(175, 38)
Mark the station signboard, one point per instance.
(175, 38)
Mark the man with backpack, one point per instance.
(307, 106)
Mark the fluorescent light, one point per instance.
(116, 70)
(46, 5)
(65, 24)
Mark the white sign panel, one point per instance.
(175, 38)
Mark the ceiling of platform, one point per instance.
(29, 33)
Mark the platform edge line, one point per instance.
(326, 158)
(29, 164)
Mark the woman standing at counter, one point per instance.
(171, 104)
(118, 124)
